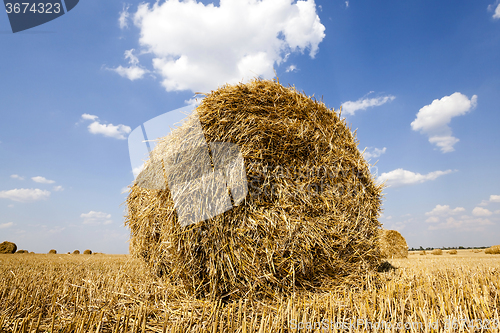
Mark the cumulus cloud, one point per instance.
(495, 8)
(463, 223)
(95, 218)
(443, 210)
(200, 47)
(400, 177)
(364, 103)
(6, 225)
(433, 119)
(291, 68)
(42, 180)
(493, 198)
(87, 116)
(58, 188)
(132, 72)
(109, 130)
(373, 152)
(479, 211)
(444, 217)
(17, 177)
(124, 16)
(25, 195)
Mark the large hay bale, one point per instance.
(52, 251)
(437, 252)
(76, 252)
(87, 252)
(309, 219)
(495, 249)
(393, 245)
(22, 251)
(8, 248)
(453, 251)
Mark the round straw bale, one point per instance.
(437, 252)
(76, 252)
(495, 249)
(452, 251)
(8, 248)
(22, 251)
(392, 244)
(52, 251)
(304, 214)
(87, 252)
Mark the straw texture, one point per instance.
(309, 219)
(7, 247)
(392, 244)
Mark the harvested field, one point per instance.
(115, 293)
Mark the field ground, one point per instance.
(113, 293)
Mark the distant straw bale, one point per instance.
(22, 251)
(87, 252)
(393, 245)
(453, 251)
(493, 250)
(52, 251)
(8, 248)
(307, 218)
(437, 252)
(76, 252)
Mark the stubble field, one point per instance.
(113, 293)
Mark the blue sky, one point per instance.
(418, 79)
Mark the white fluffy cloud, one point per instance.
(87, 116)
(479, 211)
(400, 177)
(17, 177)
(134, 71)
(364, 103)
(493, 198)
(6, 225)
(95, 218)
(25, 195)
(442, 217)
(42, 180)
(200, 47)
(463, 223)
(58, 188)
(443, 210)
(495, 8)
(109, 130)
(433, 119)
(373, 152)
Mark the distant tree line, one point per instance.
(447, 248)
